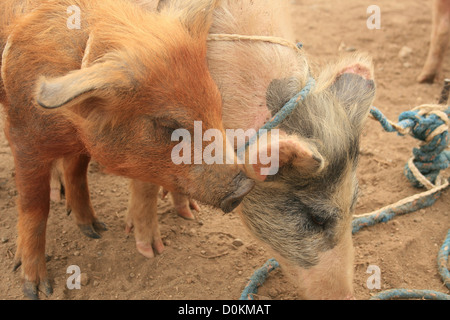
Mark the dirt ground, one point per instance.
(201, 262)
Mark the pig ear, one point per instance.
(80, 84)
(195, 15)
(289, 150)
(355, 89)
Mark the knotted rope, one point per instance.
(429, 124)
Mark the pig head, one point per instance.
(304, 211)
(140, 84)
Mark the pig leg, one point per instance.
(439, 41)
(33, 186)
(77, 196)
(142, 217)
(57, 189)
(183, 205)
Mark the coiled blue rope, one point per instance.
(431, 158)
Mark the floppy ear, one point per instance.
(195, 15)
(355, 89)
(273, 151)
(106, 77)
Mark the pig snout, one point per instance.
(332, 277)
(244, 186)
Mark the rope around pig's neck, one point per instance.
(290, 106)
(281, 115)
(270, 39)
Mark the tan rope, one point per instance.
(4, 55)
(238, 37)
(407, 200)
(437, 110)
(428, 108)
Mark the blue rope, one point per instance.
(390, 213)
(443, 260)
(287, 109)
(290, 106)
(258, 279)
(410, 294)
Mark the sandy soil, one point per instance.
(201, 261)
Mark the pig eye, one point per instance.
(324, 219)
(167, 131)
(319, 220)
(166, 126)
(169, 124)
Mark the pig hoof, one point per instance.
(147, 250)
(46, 287)
(93, 230)
(30, 290)
(100, 226)
(90, 232)
(185, 212)
(426, 78)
